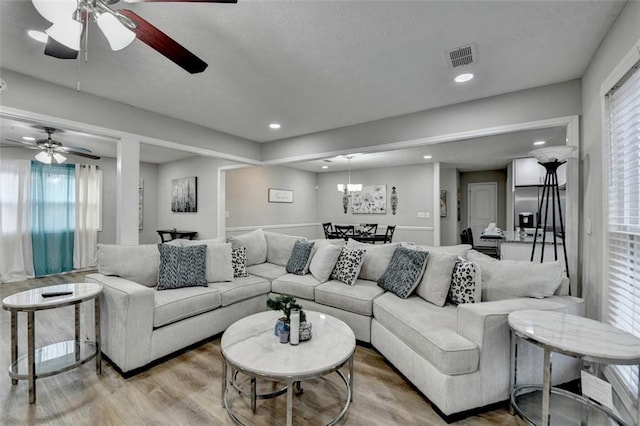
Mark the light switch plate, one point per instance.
(427, 214)
(587, 226)
(421, 215)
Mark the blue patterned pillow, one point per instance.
(404, 271)
(182, 266)
(299, 257)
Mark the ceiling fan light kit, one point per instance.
(70, 18)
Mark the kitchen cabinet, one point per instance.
(528, 172)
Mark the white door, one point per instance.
(483, 208)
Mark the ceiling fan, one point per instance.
(70, 19)
(51, 150)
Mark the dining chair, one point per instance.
(345, 231)
(369, 228)
(328, 229)
(389, 233)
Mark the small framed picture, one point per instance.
(280, 195)
(443, 203)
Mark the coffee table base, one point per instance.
(293, 385)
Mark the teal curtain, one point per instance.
(53, 197)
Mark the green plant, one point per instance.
(286, 304)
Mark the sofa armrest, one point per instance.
(126, 320)
(477, 320)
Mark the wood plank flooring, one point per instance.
(185, 389)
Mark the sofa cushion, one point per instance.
(404, 271)
(376, 258)
(239, 262)
(280, 247)
(241, 289)
(357, 298)
(255, 243)
(182, 267)
(181, 303)
(183, 242)
(299, 257)
(218, 259)
(458, 250)
(323, 261)
(296, 285)
(348, 265)
(465, 282)
(429, 330)
(436, 281)
(136, 263)
(267, 270)
(509, 279)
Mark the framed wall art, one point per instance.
(371, 200)
(184, 195)
(443, 203)
(280, 195)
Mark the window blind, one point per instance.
(623, 244)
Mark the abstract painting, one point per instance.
(184, 195)
(371, 200)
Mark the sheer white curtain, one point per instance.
(87, 216)
(16, 257)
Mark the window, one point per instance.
(623, 214)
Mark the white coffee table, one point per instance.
(591, 341)
(58, 357)
(250, 347)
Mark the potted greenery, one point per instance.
(285, 304)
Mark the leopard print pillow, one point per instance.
(239, 262)
(348, 265)
(465, 282)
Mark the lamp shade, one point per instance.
(116, 33)
(56, 10)
(67, 33)
(43, 157)
(59, 158)
(550, 154)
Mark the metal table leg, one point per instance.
(224, 381)
(76, 309)
(513, 380)
(253, 394)
(351, 375)
(31, 357)
(98, 337)
(14, 342)
(290, 404)
(546, 388)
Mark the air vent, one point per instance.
(462, 56)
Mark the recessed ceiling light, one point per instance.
(427, 157)
(325, 167)
(462, 78)
(38, 36)
(275, 126)
(539, 142)
(28, 138)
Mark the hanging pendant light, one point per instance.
(349, 188)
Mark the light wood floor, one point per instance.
(185, 390)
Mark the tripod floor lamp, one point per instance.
(551, 158)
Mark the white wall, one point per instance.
(620, 39)
(415, 194)
(205, 220)
(248, 206)
(449, 233)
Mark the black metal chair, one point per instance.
(488, 250)
(389, 233)
(344, 231)
(328, 230)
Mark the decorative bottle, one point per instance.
(294, 327)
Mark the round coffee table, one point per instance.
(250, 347)
(591, 341)
(58, 357)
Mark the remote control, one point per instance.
(56, 293)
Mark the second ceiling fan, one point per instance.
(71, 17)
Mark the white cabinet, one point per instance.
(527, 171)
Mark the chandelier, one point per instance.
(349, 188)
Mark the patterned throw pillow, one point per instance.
(182, 266)
(299, 257)
(465, 282)
(239, 262)
(404, 271)
(348, 265)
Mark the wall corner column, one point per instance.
(127, 182)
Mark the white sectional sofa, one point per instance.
(458, 356)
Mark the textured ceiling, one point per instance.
(317, 65)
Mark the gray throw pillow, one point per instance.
(239, 262)
(404, 271)
(299, 257)
(348, 265)
(182, 266)
(256, 245)
(434, 286)
(376, 258)
(323, 261)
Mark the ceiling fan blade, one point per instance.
(82, 154)
(23, 144)
(18, 146)
(182, 1)
(74, 148)
(164, 44)
(59, 50)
